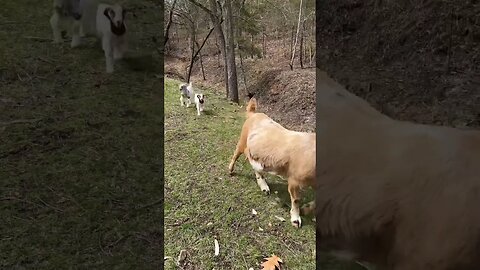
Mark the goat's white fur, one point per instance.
(93, 22)
(63, 19)
(199, 102)
(114, 46)
(186, 94)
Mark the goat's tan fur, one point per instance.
(399, 195)
(271, 148)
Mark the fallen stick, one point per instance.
(41, 39)
(20, 121)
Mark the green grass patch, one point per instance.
(80, 150)
(203, 203)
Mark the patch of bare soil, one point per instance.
(286, 96)
(412, 60)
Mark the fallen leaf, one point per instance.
(280, 218)
(270, 224)
(272, 263)
(217, 248)
(209, 223)
(260, 229)
(254, 212)
(166, 258)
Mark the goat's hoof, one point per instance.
(297, 223)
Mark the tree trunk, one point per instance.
(192, 50)
(301, 44)
(264, 49)
(194, 54)
(169, 24)
(296, 36)
(310, 54)
(243, 70)
(214, 16)
(251, 46)
(201, 61)
(292, 38)
(232, 69)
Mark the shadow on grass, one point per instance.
(209, 112)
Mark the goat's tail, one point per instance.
(251, 106)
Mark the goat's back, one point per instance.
(291, 153)
(408, 192)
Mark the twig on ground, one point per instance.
(101, 247)
(45, 60)
(19, 121)
(178, 223)
(151, 204)
(119, 240)
(40, 39)
(50, 206)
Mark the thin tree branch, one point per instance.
(169, 24)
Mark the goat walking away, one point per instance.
(269, 147)
(398, 195)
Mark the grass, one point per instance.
(202, 202)
(80, 150)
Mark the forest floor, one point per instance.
(80, 150)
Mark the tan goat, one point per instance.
(399, 195)
(271, 148)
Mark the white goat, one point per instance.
(66, 16)
(88, 17)
(111, 29)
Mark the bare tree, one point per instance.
(232, 69)
(169, 24)
(195, 54)
(215, 15)
(296, 36)
(302, 53)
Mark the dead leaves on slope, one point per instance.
(272, 263)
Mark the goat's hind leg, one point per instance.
(55, 23)
(238, 151)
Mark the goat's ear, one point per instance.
(109, 13)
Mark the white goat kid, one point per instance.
(200, 102)
(67, 15)
(111, 29)
(186, 94)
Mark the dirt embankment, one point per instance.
(286, 96)
(413, 60)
